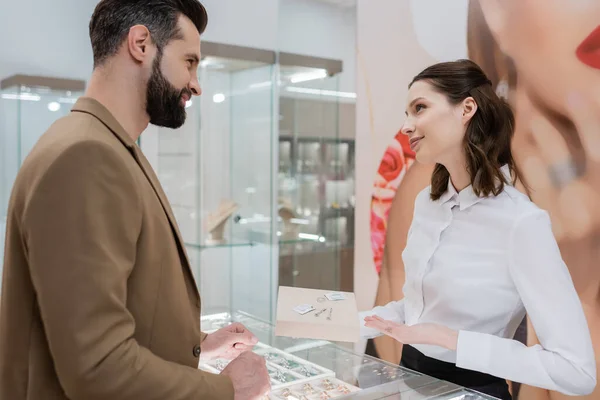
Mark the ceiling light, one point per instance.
(319, 92)
(22, 96)
(308, 76)
(53, 106)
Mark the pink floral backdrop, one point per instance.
(398, 157)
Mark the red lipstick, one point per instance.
(588, 51)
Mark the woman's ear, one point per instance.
(469, 108)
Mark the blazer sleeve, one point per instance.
(81, 224)
(564, 361)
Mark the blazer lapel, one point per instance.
(153, 179)
(93, 107)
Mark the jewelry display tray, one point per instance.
(290, 372)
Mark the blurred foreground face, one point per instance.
(555, 45)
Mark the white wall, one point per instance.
(251, 23)
(54, 40)
(320, 29)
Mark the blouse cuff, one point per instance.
(473, 351)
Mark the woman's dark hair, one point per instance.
(112, 19)
(487, 142)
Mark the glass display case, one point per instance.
(255, 200)
(217, 173)
(28, 106)
(313, 369)
(316, 175)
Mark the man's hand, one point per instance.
(433, 334)
(249, 376)
(228, 342)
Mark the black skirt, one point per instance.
(415, 360)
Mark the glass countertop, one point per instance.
(310, 369)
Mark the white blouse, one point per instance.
(477, 265)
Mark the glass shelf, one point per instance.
(317, 241)
(300, 366)
(219, 245)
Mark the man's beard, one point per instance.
(163, 100)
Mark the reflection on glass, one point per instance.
(216, 168)
(316, 180)
(217, 171)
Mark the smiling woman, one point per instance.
(475, 249)
(442, 98)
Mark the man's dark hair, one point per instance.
(112, 20)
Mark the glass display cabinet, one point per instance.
(28, 106)
(312, 369)
(315, 174)
(217, 173)
(259, 177)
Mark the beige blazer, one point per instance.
(98, 298)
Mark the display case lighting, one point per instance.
(321, 92)
(308, 76)
(21, 96)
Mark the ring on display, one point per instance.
(563, 173)
(344, 389)
(327, 384)
(308, 388)
(221, 365)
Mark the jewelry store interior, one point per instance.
(261, 179)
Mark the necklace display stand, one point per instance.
(287, 214)
(216, 222)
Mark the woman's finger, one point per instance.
(587, 122)
(376, 325)
(378, 318)
(580, 202)
(553, 147)
(542, 191)
(574, 200)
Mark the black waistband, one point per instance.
(417, 361)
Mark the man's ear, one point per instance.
(469, 108)
(138, 42)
